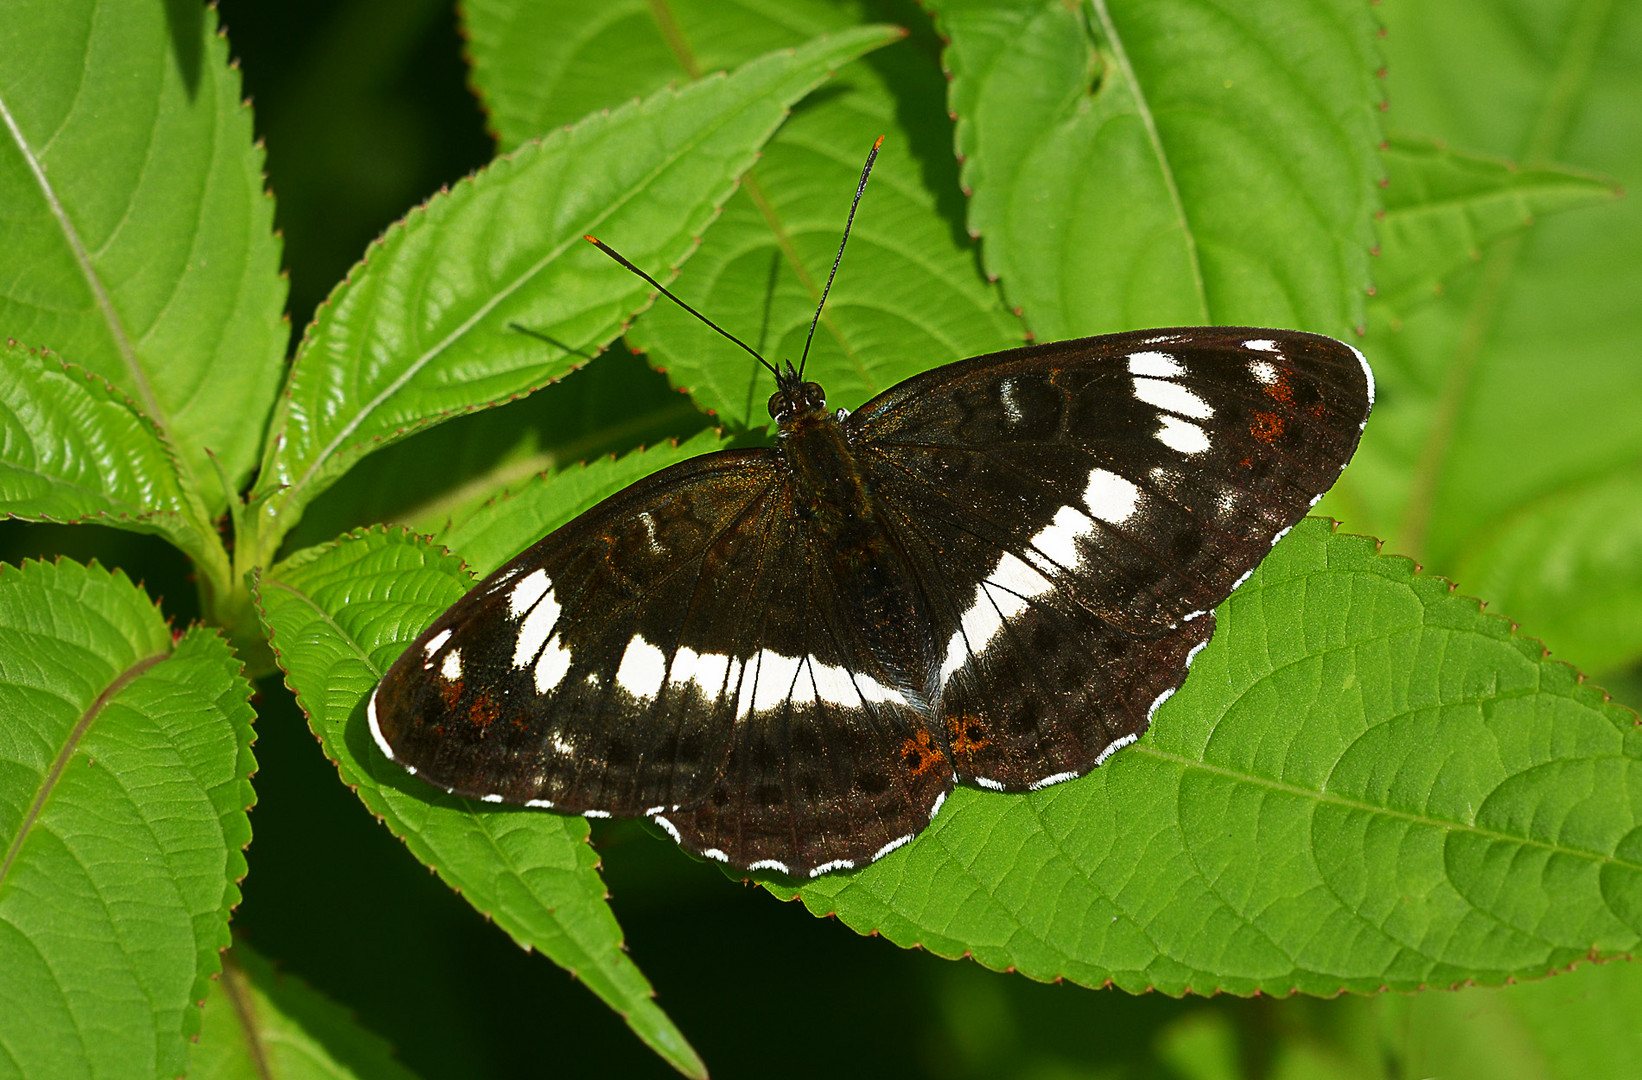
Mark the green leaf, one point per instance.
(338, 616)
(1517, 388)
(125, 759)
(261, 1024)
(1569, 569)
(421, 330)
(450, 470)
(909, 294)
(139, 242)
(1443, 206)
(72, 448)
(1145, 163)
(1365, 783)
(546, 65)
(489, 535)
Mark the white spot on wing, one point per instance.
(544, 615)
(957, 654)
(1280, 534)
(1014, 575)
(596, 813)
(1059, 777)
(376, 728)
(776, 675)
(490, 798)
(1110, 497)
(1264, 373)
(940, 800)
(1058, 540)
(836, 864)
(553, 665)
(434, 642)
(527, 592)
(998, 598)
(1182, 435)
(1158, 704)
(1157, 365)
(1239, 582)
(889, 847)
(1199, 647)
(990, 785)
(769, 864)
(833, 685)
(643, 668)
(672, 830)
(707, 670)
(451, 668)
(540, 804)
(562, 745)
(715, 854)
(1176, 399)
(1114, 747)
(1261, 345)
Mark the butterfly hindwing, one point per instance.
(833, 763)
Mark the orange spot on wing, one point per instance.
(963, 730)
(920, 754)
(1280, 391)
(451, 692)
(483, 712)
(1267, 426)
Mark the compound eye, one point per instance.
(778, 402)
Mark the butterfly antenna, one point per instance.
(872, 155)
(614, 254)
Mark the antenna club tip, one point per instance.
(877, 144)
(590, 238)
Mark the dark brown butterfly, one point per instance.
(991, 574)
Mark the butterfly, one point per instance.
(991, 574)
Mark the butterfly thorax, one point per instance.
(831, 493)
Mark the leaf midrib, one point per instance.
(1550, 126)
(1441, 824)
(1143, 109)
(49, 782)
(82, 259)
(234, 988)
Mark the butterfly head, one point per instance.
(794, 398)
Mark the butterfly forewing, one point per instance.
(1144, 472)
(993, 573)
(598, 670)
